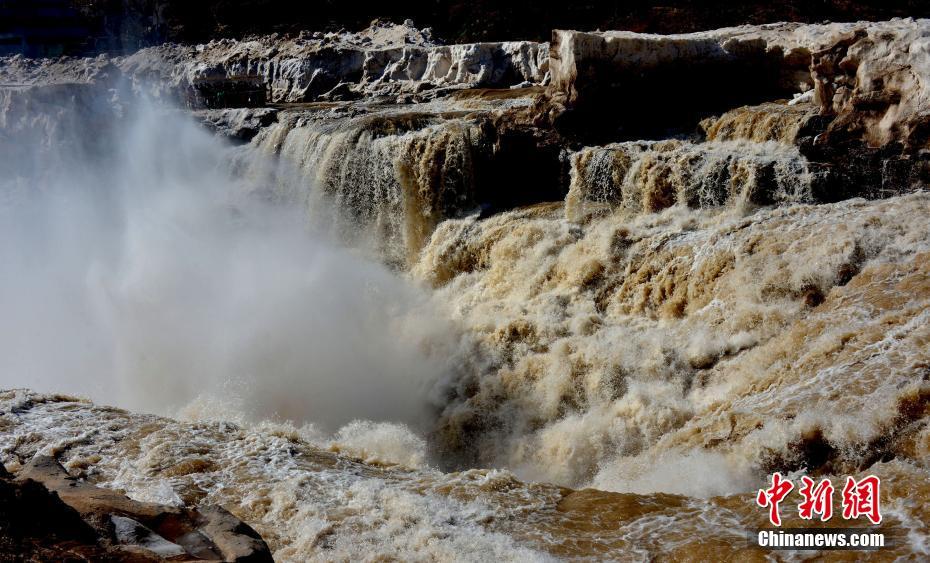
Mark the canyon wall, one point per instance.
(396, 62)
(864, 74)
(305, 69)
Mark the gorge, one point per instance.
(381, 297)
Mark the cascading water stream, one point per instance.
(375, 339)
(384, 181)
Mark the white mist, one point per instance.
(147, 275)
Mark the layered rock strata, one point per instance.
(392, 62)
(606, 86)
(863, 73)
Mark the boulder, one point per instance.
(48, 512)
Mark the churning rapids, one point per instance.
(349, 321)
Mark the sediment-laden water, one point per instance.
(325, 327)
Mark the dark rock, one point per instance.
(35, 525)
(238, 124)
(228, 92)
(47, 514)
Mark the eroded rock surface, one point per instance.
(251, 72)
(394, 62)
(48, 514)
(864, 73)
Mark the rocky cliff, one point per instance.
(845, 95)
(384, 61)
(863, 74)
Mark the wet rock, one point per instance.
(240, 124)
(235, 539)
(130, 532)
(35, 524)
(341, 92)
(111, 526)
(239, 91)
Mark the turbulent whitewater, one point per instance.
(414, 302)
